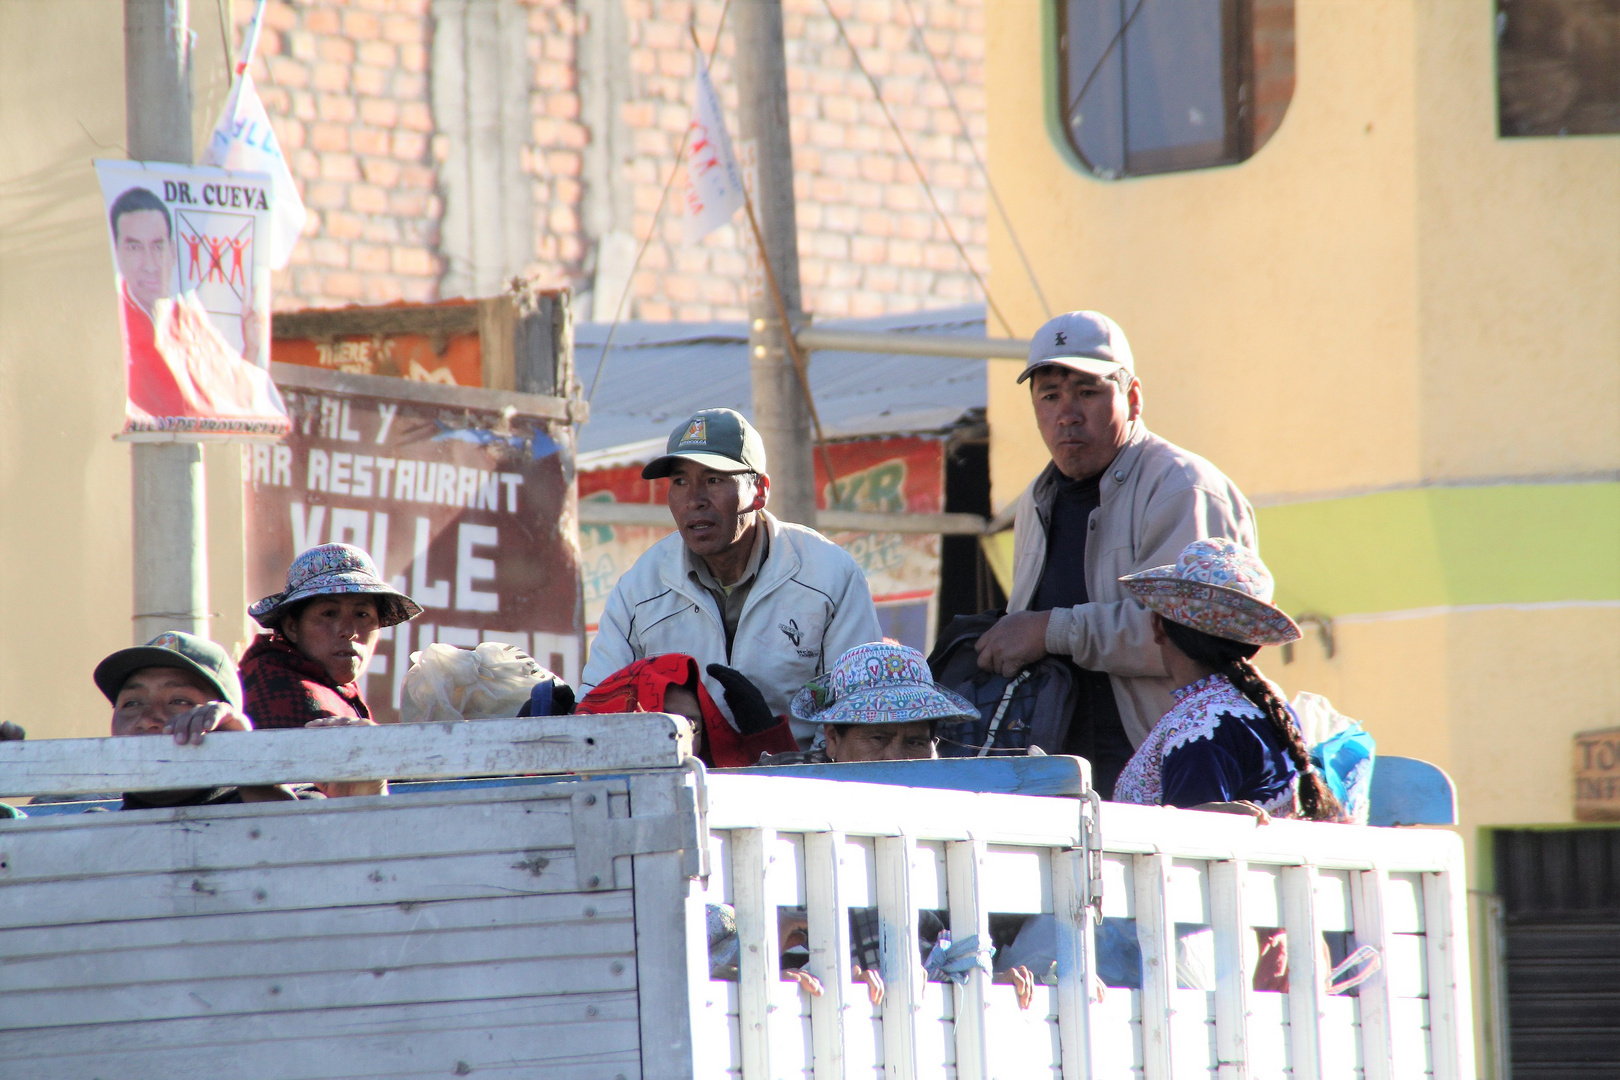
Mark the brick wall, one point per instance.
(346, 84)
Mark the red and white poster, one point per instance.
(190, 250)
(463, 509)
(892, 475)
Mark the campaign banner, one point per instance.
(191, 258)
(462, 509)
(714, 185)
(893, 475)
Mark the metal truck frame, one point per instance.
(549, 920)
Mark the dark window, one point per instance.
(1558, 67)
(1152, 86)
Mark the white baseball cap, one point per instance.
(1086, 341)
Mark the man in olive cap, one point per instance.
(185, 686)
(1115, 499)
(754, 599)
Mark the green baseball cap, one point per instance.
(719, 439)
(177, 650)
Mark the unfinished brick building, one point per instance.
(444, 146)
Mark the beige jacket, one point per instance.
(1156, 499)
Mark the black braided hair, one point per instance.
(1233, 659)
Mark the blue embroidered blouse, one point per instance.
(1214, 745)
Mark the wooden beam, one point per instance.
(902, 962)
(302, 377)
(324, 323)
(553, 744)
(1233, 982)
(653, 515)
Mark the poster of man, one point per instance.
(194, 297)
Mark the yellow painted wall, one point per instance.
(1386, 296)
(1400, 334)
(65, 593)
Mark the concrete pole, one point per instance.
(781, 412)
(170, 522)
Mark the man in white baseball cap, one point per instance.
(1115, 499)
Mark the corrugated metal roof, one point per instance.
(657, 374)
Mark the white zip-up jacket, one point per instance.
(809, 603)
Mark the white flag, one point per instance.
(243, 140)
(714, 188)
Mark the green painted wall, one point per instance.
(1433, 547)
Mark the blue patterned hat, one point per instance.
(1219, 587)
(878, 683)
(335, 570)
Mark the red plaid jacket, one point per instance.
(283, 688)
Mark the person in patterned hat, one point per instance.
(323, 630)
(878, 703)
(1229, 742)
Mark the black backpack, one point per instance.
(1033, 708)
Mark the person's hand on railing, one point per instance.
(807, 982)
(1240, 807)
(191, 725)
(1023, 981)
(874, 983)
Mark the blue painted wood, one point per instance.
(1053, 775)
(1407, 791)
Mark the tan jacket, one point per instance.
(1156, 499)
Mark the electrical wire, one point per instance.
(1103, 59)
(629, 281)
(921, 176)
(973, 148)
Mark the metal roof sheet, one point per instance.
(657, 374)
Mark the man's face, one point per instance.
(153, 696)
(708, 506)
(339, 632)
(145, 255)
(882, 742)
(1084, 418)
(684, 702)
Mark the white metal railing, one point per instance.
(1198, 892)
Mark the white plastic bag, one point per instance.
(447, 683)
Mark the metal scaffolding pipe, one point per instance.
(963, 348)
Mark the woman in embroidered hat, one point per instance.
(878, 703)
(323, 629)
(1230, 741)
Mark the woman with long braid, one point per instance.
(1229, 741)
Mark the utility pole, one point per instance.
(781, 411)
(170, 523)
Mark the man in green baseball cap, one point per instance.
(182, 685)
(753, 599)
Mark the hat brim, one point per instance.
(111, 674)
(904, 704)
(1090, 365)
(660, 467)
(1212, 609)
(393, 606)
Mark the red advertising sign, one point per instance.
(194, 297)
(463, 508)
